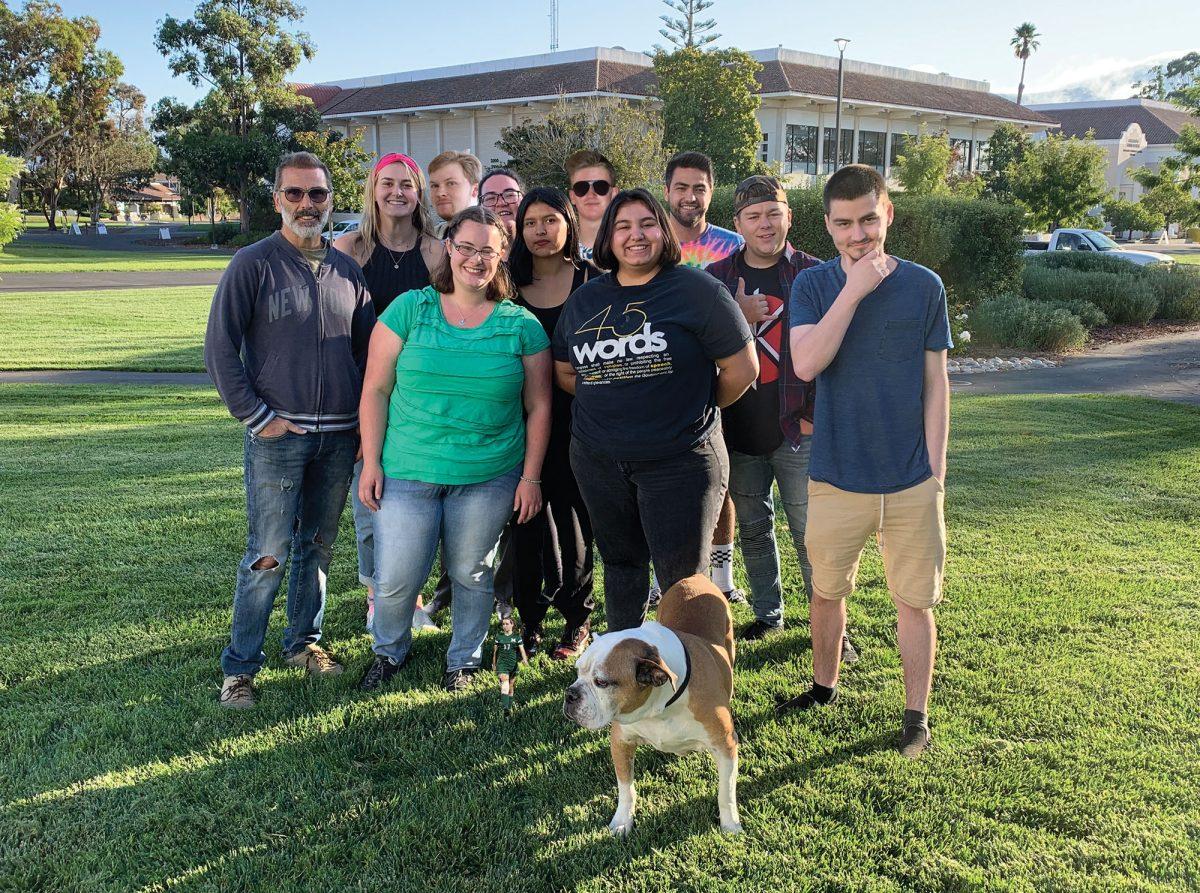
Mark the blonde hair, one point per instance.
(368, 226)
(472, 167)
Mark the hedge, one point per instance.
(1178, 291)
(1011, 321)
(1122, 297)
(1176, 287)
(973, 244)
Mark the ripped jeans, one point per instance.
(296, 488)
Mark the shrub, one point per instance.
(1193, 234)
(1089, 314)
(241, 240)
(1123, 297)
(220, 234)
(1084, 261)
(1178, 290)
(1010, 321)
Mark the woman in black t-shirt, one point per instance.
(650, 350)
(552, 562)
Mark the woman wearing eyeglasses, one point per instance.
(552, 554)
(593, 185)
(455, 418)
(501, 191)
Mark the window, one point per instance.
(981, 156)
(830, 150)
(962, 155)
(801, 155)
(899, 144)
(765, 152)
(870, 148)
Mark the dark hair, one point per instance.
(854, 181)
(497, 172)
(696, 160)
(588, 158)
(520, 259)
(304, 161)
(602, 255)
(441, 278)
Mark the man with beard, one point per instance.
(286, 347)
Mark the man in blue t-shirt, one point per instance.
(873, 332)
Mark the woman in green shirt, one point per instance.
(455, 418)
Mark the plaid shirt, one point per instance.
(796, 397)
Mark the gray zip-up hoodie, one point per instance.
(284, 342)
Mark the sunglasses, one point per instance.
(295, 194)
(600, 187)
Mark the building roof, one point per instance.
(1109, 119)
(151, 192)
(602, 70)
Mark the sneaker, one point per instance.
(422, 622)
(381, 670)
(735, 597)
(759, 630)
(849, 652)
(532, 640)
(573, 642)
(238, 692)
(655, 596)
(314, 660)
(805, 701)
(459, 680)
(914, 740)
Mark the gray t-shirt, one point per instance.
(869, 425)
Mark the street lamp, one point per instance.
(837, 123)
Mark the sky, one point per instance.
(1093, 49)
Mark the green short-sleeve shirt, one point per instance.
(456, 415)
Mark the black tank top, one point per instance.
(391, 273)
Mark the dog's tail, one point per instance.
(696, 606)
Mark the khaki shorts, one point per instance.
(912, 538)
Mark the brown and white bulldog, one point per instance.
(666, 684)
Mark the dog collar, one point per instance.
(687, 675)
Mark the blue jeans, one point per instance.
(364, 532)
(750, 480)
(295, 491)
(413, 516)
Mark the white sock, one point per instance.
(721, 568)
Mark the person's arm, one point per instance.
(524, 656)
(373, 411)
(935, 396)
(351, 244)
(528, 500)
(565, 376)
(735, 373)
(813, 347)
(495, 651)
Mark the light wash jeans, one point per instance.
(750, 479)
(364, 532)
(413, 516)
(295, 491)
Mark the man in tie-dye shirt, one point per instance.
(689, 190)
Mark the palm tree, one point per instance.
(1024, 42)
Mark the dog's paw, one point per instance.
(620, 825)
(731, 828)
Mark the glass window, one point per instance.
(801, 155)
(981, 156)
(830, 148)
(870, 148)
(899, 142)
(1071, 242)
(962, 155)
(765, 152)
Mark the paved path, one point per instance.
(89, 281)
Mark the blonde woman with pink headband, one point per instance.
(396, 248)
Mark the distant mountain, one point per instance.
(1101, 80)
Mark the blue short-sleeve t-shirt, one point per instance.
(869, 424)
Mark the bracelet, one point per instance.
(530, 480)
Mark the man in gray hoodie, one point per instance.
(286, 347)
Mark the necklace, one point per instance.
(397, 259)
(462, 319)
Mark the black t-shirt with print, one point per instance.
(751, 424)
(646, 386)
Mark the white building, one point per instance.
(465, 107)
(1135, 132)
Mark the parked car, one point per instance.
(346, 226)
(1091, 240)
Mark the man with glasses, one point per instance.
(501, 191)
(593, 184)
(286, 347)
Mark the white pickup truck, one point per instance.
(1091, 240)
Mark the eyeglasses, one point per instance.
(508, 197)
(600, 187)
(295, 194)
(469, 251)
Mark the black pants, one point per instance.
(553, 553)
(643, 509)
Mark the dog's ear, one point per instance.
(652, 670)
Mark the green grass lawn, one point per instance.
(1066, 725)
(140, 329)
(31, 258)
(1193, 258)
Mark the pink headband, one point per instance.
(392, 158)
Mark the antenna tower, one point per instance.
(554, 26)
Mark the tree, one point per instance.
(1006, 149)
(117, 157)
(1060, 179)
(241, 50)
(10, 217)
(346, 159)
(925, 165)
(1167, 196)
(686, 31)
(1024, 42)
(1171, 82)
(629, 136)
(1125, 216)
(709, 100)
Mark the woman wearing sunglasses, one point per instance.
(396, 248)
(552, 554)
(593, 185)
(455, 418)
